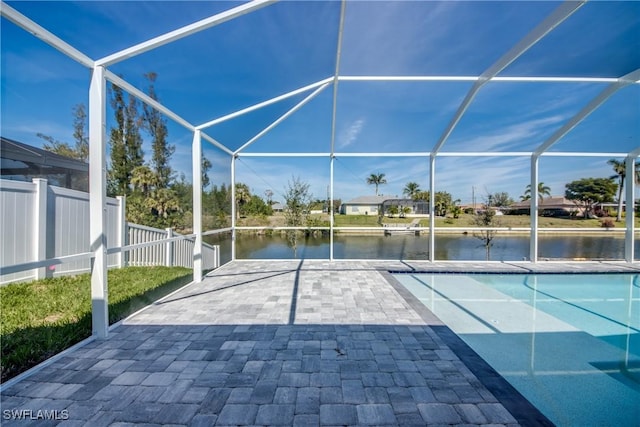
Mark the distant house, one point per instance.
(363, 205)
(374, 205)
(549, 206)
(277, 207)
(22, 162)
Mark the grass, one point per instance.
(466, 220)
(41, 318)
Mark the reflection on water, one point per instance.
(409, 247)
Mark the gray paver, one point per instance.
(264, 391)
(176, 413)
(496, 413)
(222, 352)
(238, 415)
(338, 414)
(202, 420)
(240, 395)
(275, 415)
(438, 413)
(375, 414)
(285, 395)
(308, 400)
(306, 420)
(130, 378)
(353, 391)
(471, 414)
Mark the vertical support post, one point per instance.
(98, 203)
(40, 227)
(233, 208)
(196, 153)
(629, 201)
(432, 208)
(168, 250)
(330, 210)
(122, 230)
(533, 211)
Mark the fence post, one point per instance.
(169, 249)
(40, 227)
(122, 230)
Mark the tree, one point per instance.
(126, 142)
(206, 167)
(156, 125)
(162, 204)
(80, 150)
(269, 195)
(443, 203)
(296, 210)
(80, 134)
(150, 204)
(501, 200)
(377, 180)
(217, 206)
(144, 180)
(393, 210)
(620, 169)
(423, 196)
(486, 217)
(257, 207)
(411, 190)
(587, 192)
(543, 190)
(243, 195)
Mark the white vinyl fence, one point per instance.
(39, 222)
(172, 253)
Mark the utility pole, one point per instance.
(473, 198)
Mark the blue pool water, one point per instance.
(570, 344)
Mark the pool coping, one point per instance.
(522, 410)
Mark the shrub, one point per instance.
(607, 223)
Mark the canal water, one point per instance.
(408, 247)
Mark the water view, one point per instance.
(448, 247)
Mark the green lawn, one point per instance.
(466, 220)
(41, 318)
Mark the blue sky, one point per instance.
(292, 44)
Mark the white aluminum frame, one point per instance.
(97, 129)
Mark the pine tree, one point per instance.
(126, 142)
(80, 150)
(119, 173)
(156, 125)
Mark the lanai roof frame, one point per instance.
(97, 126)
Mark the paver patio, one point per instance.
(280, 343)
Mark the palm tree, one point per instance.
(376, 179)
(144, 179)
(620, 170)
(243, 195)
(543, 190)
(411, 190)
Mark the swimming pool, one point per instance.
(569, 343)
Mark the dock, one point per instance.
(390, 229)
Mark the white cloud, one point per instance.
(511, 137)
(349, 135)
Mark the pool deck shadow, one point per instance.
(282, 343)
